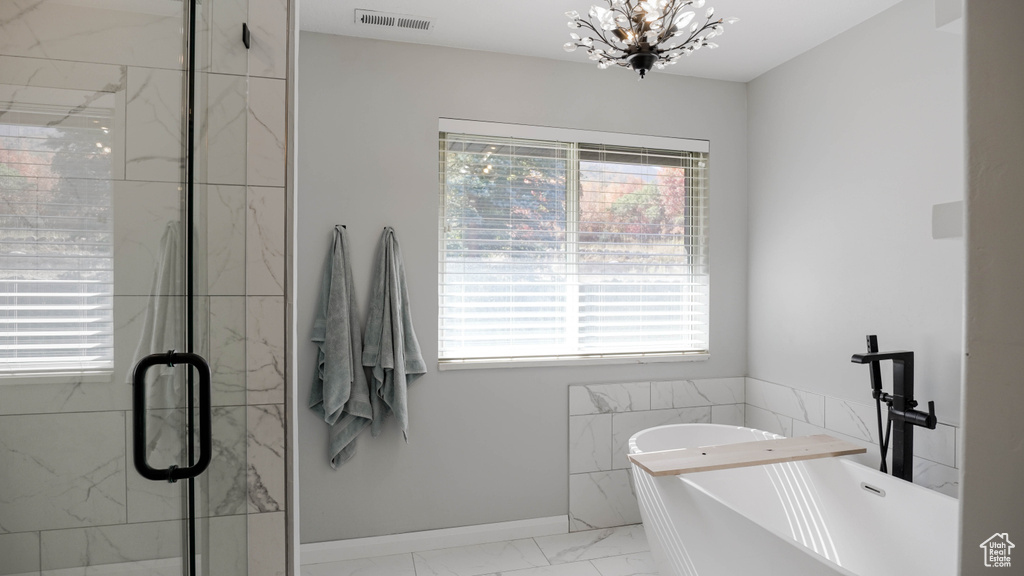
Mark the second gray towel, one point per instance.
(340, 394)
(390, 347)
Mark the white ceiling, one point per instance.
(769, 32)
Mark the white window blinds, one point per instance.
(56, 225)
(567, 249)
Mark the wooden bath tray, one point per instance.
(686, 460)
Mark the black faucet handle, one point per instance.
(931, 421)
(918, 418)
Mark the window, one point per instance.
(56, 256)
(574, 247)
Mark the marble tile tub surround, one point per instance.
(602, 417)
(621, 551)
(792, 412)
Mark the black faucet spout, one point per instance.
(895, 356)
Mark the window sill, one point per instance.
(487, 363)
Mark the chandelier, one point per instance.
(644, 34)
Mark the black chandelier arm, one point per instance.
(600, 37)
(596, 31)
(707, 24)
(670, 18)
(628, 13)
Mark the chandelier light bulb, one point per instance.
(644, 34)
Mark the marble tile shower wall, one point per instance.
(602, 417)
(791, 412)
(68, 495)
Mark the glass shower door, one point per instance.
(115, 244)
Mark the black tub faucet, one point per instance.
(903, 416)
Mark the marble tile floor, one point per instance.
(619, 551)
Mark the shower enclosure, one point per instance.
(142, 212)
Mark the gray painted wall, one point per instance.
(485, 445)
(850, 146)
(993, 469)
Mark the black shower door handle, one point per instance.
(172, 473)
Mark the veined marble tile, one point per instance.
(149, 500)
(601, 500)
(227, 550)
(71, 393)
(689, 393)
(227, 51)
(55, 474)
(267, 544)
(639, 564)
(142, 213)
(661, 394)
(762, 419)
(165, 447)
(625, 424)
(20, 553)
(853, 418)
(149, 35)
(479, 559)
(266, 132)
(227, 350)
(268, 55)
(944, 479)
(110, 544)
(605, 398)
(571, 569)
(937, 445)
(17, 71)
(796, 404)
(154, 135)
(265, 349)
(264, 241)
(394, 565)
(266, 487)
(222, 127)
(594, 544)
(590, 443)
(225, 244)
(222, 491)
(730, 414)
(160, 567)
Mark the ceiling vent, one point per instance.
(394, 21)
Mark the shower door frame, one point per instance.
(103, 407)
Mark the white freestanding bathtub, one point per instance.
(816, 517)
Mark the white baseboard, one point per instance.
(320, 552)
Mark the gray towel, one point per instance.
(390, 346)
(340, 392)
(162, 330)
(162, 326)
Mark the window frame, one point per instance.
(578, 137)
